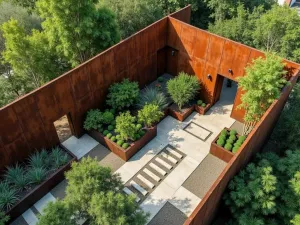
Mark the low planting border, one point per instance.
(41, 190)
(125, 154)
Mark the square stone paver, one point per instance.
(198, 131)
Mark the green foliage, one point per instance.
(125, 145)
(123, 95)
(85, 179)
(108, 117)
(57, 213)
(110, 127)
(149, 115)
(16, 176)
(232, 132)
(183, 88)
(37, 175)
(134, 15)
(78, 29)
(3, 218)
(139, 126)
(221, 142)
(120, 142)
(8, 196)
(110, 208)
(105, 132)
(229, 141)
(94, 120)
(161, 79)
(125, 125)
(113, 138)
(39, 159)
(58, 158)
(262, 85)
(228, 146)
(199, 102)
(203, 105)
(153, 96)
(142, 133)
(224, 132)
(109, 135)
(235, 149)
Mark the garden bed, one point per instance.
(181, 115)
(221, 152)
(33, 195)
(202, 110)
(134, 147)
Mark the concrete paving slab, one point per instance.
(30, 217)
(43, 202)
(185, 201)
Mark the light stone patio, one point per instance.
(175, 192)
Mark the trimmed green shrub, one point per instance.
(113, 123)
(113, 111)
(237, 144)
(224, 132)
(235, 149)
(137, 137)
(161, 79)
(110, 127)
(229, 141)
(199, 102)
(232, 137)
(8, 196)
(118, 137)
(93, 120)
(109, 135)
(101, 129)
(37, 175)
(122, 95)
(233, 132)
(203, 105)
(228, 146)
(107, 117)
(125, 126)
(105, 132)
(139, 126)
(142, 133)
(113, 138)
(240, 142)
(149, 114)
(120, 142)
(125, 145)
(223, 136)
(153, 96)
(242, 138)
(221, 142)
(183, 88)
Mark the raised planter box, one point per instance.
(180, 115)
(125, 154)
(219, 151)
(41, 190)
(202, 110)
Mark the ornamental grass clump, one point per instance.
(149, 115)
(183, 88)
(152, 96)
(123, 95)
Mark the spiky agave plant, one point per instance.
(8, 196)
(58, 158)
(17, 177)
(153, 96)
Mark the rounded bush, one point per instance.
(232, 137)
(233, 132)
(203, 105)
(237, 144)
(113, 111)
(224, 132)
(222, 136)
(137, 136)
(161, 79)
(120, 142)
(230, 141)
(142, 133)
(221, 142)
(199, 102)
(100, 129)
(242, 138)
(125, 145)
(139, 126)
(118, 137)
(113, 123)
(105, 132)
(113, 138)
(228, 147)
(110, 127)
(109, 135)
(235, 149)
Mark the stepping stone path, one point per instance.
(153, 173)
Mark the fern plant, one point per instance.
(183, 88)
(153, 96)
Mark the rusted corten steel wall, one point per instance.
(201, 53)
(206, 210)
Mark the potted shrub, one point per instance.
(182, 90)
(226, 144)
(201, 107)
(150, 115)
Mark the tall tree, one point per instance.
(30, 56)
(77, 28)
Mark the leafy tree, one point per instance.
(278, 30)
(85, 179)
(149, 114)
(266, 191)
(29, 4)
(134, 15)
(57, 213)
(262, 85)
(78, 28)
(119, 209)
